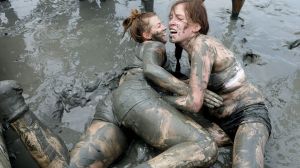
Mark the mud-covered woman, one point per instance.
(104, 141)
(140, 108)
(243, 115)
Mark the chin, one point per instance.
(165, 40)
(171, 40)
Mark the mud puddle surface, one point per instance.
(48, 45)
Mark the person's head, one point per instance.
(187, 19)
(145, 26)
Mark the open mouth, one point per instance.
(172, 31)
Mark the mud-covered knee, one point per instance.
(101, 144)
(210, 150)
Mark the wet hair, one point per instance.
(137, 23)
(196, 13)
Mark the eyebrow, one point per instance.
(177, 15)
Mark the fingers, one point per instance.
(213, 94)
(209, 105)
(212, 100)
(212, 104)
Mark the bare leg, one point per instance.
(236, 8)
(101, 144)
(218, 135)
(249, 145)
(4, 159)
(44, 146)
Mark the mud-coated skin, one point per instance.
(236, 8)
(215, 68)
(249, 145)
(162, 126)
(44, 146)
(4, 159)
(153, 56)
(12, 104)
(100, 145)
(237, 93)
(47, 148)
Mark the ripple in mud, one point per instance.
(251, 58)
(293, 44)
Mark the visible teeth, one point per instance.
(172, 31)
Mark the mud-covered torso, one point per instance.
(228, 79)
(138, 61)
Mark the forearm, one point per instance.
(183, 103)
(165, 80)
(44, 146)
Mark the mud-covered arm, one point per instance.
(154, 56)
(201, 65)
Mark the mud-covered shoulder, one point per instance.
(212, 42)
(154, 51)
(206, 47)
(153, 45)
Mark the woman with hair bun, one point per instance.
(139, 107)
(136, 106)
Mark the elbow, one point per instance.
(148, 71)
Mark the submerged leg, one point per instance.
(102, 143)
(236, 8)
(249, 145)
(44, 146)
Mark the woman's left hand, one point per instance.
(212, 100)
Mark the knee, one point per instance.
(105, 135)
(205, 153)
(211, 152)
(101, 144)
(208, 146)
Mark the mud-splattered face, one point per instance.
(157, 30)
(180, 29)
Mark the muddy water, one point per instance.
(46, 45)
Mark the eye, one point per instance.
(180, 18)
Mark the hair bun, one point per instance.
(128, 21)
(134, 14)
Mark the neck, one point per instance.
(187, 45)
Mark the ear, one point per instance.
(196, 28)
(146, 35)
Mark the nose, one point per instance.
(171, 22)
